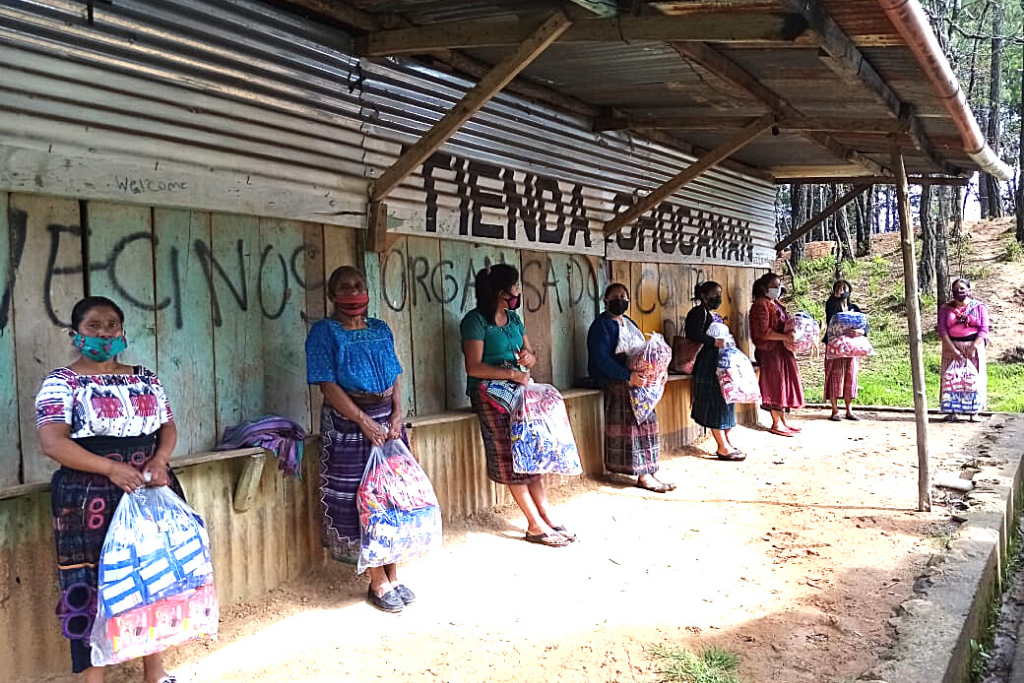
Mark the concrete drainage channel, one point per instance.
(944, 629)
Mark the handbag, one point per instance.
(684, 354)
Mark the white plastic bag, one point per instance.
(651, 359)
(736, 377)
(542, 439)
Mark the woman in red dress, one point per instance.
(781, 390)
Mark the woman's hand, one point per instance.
(720, 343)
(373, 430)
(395, 430)
(125, 477)
(157, 470)
(526, 359)
(519, 377)
(638, 379)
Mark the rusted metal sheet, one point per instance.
(275, 541)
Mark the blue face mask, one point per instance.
(98, 348)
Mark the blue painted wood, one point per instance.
(184, 328)
(430, 284)
(40, 336)
(10, 452)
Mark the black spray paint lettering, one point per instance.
(537, 205)
(541, 282)
(17, 224)
(139, 185)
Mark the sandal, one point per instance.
(736, 456)
(660, 487)
(406, 595)
(562, 531)
(836, 418)
(550, 540)
(389, 602)
(951, 417)
(852, 417)
(795, 430)
(168, 679)
(780, 432)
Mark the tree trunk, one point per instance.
(926, 268)
(995, 199)
(842, 228)
(958, 214)
(796, 210)
(942, 247)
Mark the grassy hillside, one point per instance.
(877, 280)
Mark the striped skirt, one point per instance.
(496, 429)
(344, 454)
(977, 358)
(82, 504)
(630, 447)
(709, 407)
(841, 378)
(780, 378)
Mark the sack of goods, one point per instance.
(156, 555)
(736, 377)
(849, 347)
(399, 516)
(542, 439)
(848, 324)
(959, 391)
(806, 333)
(652, 361)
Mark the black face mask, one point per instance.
(844, 295)
(618, 306)
(714, 302)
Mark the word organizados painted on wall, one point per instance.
(500, 204)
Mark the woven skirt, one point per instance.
(82, 504)
(496, 431)
(709, 407)
(630, 447)
(841, 378)
(780, 378)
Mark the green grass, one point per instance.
(1012, 252)
(709, 665)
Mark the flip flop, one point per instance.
(795, 430)
(660, 487)
(779, 432)
(550, 540)
(836, 418)
(562, 531)
(736, 456)
(853, 418)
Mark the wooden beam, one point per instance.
(727, 148)
(823, 215)
(872, 180)
(602, 8)
(924, 490)
(798, 124)
(844, 58)
(728, 70)
(471, 103)
(713, 26)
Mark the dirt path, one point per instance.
(794, 559)
(1001, 288)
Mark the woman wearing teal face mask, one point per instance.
(110, 427)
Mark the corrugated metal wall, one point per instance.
(267, 113)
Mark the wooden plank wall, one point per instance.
(10, 463)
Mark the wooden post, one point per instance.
(718, 154)
(489, 86)
(924, 490)
(822, 216)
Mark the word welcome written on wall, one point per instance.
(478, 201)
(271, 265)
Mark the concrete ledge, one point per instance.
(935, 628)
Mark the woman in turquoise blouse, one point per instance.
(496, 348)
(352, 359)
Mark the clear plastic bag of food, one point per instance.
(736, 377)
(542, 438)
(849, 347)
(959, 389)
(156, 547)
(806, 333)
(399, 516)
(651, 360)
(847, 323)
(147, 629)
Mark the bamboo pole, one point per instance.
(924, 487)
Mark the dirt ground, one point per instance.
(794, 559)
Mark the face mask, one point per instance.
(961, 296)
(352, 305)
(714, 302)
(774, 293)
(618, 306)
(513, 302)
(844, 295)
(98, 348)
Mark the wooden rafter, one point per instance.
(723, 151)
(844, 58)
(728, 70)
(713, 26)
(845, 125)
(822, 216)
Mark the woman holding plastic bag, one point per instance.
(498, 356)
(781, 390)
(352, 359)
(631, 445)
(840, 372)
(710, 409)
(963, 329)
(110, 427)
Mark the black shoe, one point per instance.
(406, 595)
(389, 602)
